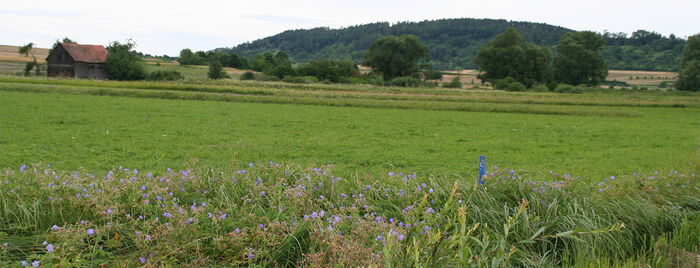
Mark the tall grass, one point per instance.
(285, 215)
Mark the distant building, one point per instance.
(79, 61)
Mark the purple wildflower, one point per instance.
(90, 231)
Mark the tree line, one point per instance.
(454, 43)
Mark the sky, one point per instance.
(166, 27)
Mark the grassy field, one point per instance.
(260, 122)
(244, 173)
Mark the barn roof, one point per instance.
(86, 53)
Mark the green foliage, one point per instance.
(404, 81)
(187, 57)
(163, 75)
(578, 59)
(453, 43)
(564, 88)
(333, 71)
(507, 56)
(123, 63)
(216, 70)
(454, 84)
(509, 84)
(235, 61)
(396, 56)
(689, 65)
(432, 74)
(248, 75)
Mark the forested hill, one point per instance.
(453, 43)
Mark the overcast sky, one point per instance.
(166, 27)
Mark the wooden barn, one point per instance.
(79, 61)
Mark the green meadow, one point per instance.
(102, 125)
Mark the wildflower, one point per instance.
(143, 188)
(401, 237)
(251, 164)
(261, 226)
(49, 248)
(24, 263)
(237, 230)
(22, 169)
(109, 211)
(35, 263)
(263, 193)
(142, 259)
(90, 231)
(391, 174)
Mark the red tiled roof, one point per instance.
(86, 53)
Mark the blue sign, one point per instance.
(482, 168)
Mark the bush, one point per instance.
(404, 82)
(248, 76)
(164, 76)
(300, 79)
(454, 84)
(564, 88)
(216, 71)
(123, 63)
(552, 85)
(509, 84)
(539, 88)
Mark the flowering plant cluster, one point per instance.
(277, 215)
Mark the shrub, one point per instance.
(509, 84)
(248, 76)
(539, 88)
(564, 88)
(164, 76)
(300, 79)
(404, 81)
(454, 84)
(216, 71)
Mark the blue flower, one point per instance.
(22, 169)
(90, 231)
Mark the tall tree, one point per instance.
(578, 59)
(507, 56)
(689, 67)
(396, 56)
(123, 63)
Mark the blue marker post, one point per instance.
(482, 168)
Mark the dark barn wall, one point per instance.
(60, 63)
(90, 70)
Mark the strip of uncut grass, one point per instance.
(593, 98)
(286, 214)
(315, 100)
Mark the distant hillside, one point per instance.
(453, 43)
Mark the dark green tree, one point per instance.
(280, 65)
(123, 63)
(65, 40)
(396, 56)
(216, 70)
(578, 59)
(689, 67)
(187, 57)
(507, 56)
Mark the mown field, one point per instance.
(207, 173)
(101, 125)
